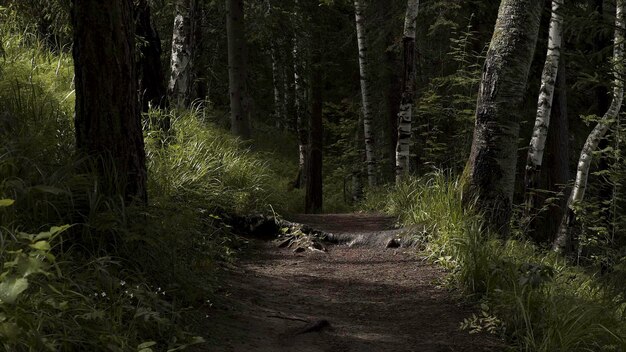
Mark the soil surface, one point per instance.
(346, 299)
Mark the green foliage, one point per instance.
(445, 107)
(120, 278)
(533, 298)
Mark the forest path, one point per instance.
(374, 299)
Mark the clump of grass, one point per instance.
(531, 297)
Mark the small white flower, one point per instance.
(103, 294)
(122, 283)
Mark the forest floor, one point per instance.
(365, 298)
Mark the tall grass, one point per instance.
(83, 272)
(532, 298)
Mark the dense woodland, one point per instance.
(136, 134)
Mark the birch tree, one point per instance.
(362, 41)
(563, 242)
(181, 62)
(405, 115)
(108, 123)
(544, 106)
(237, 70)
(489, 177)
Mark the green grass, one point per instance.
(530, 297)
(81, 271)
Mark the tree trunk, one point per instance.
(558, 175)
(564, 241)
(544, 226)
(544, 107)
(150, 70)
(365, 92)
(108, 125)
(181, 64)
(314, 194)
(405, 115)
(394, 94)
(277, 84)
(237, 71)
(302, 122)
(491, 167)
(357, 185)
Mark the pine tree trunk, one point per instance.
(544, 107)
(237, 70)
(365, 92)
(151, 76)
(181, 63)
(564, 241)
(108, 124)
(405, 115)
(490, 173)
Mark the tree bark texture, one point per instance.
(370, 152)
(152, 89)
(564, 241)
(490, 173)
(108, 124)
(237, 70)
(544, 107)
(405, 114)
(181, 63)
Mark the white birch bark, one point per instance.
(544, 105)
(405, 115)
(564, 239)
(365, 92)
(181, 63)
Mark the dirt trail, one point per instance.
(374, 299)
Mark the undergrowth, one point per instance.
(529, 296)
(81, 271)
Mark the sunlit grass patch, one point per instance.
(533, 298)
